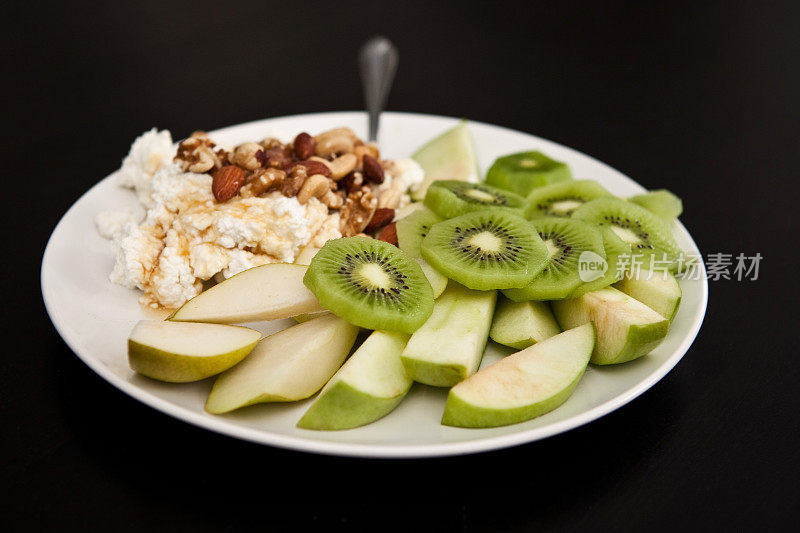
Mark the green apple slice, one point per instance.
(410, 232)
(290, 365)
(448, 348)
(626, 328)
(523, 385)
(368, 387)
(658, 290)
(521, 324)
(450, 156)
(266, 292)
(181, 352)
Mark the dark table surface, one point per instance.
(701, 99)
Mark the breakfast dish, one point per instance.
(211, 212)
(436, 279)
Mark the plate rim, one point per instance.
(349, 449)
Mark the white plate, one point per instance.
(95, 316)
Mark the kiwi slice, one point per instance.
(562, 199)
(526, 171)
(411, 229)
(451, 198)
(566, 240)
(486, 250)
(661, 203)
(616, 249)
(650, 239)
(370, 283)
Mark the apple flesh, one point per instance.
(626, 328)
(180, 352)
(368, 387)
(522, 324)
(450, 156)
(448, 348)
(290, 365)
(658, 290)
(523, 385)
(267, 292)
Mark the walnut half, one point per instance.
(358, 208)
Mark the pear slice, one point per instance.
(522, 324)
(523, 385)
(306, 255)
(626, 328)
(448, 347)
(266, 292)
(290, 365)
(658, 290)
(368, 387)
(180, 352)
(450, 156)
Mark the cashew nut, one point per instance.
(315, 187)
(342, 166)
(337, 141)
(245, 156)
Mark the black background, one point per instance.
(697, 97)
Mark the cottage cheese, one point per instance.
(148, 153)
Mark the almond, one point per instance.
(227, 182)
(304, 146)
(389, 234)
(372, 169)
(312, 167)
(382, 216)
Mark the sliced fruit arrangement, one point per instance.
(290, 365)
(430, 295)
(368, 387)
(562, 199)
(411, 229)
(180, 352)
(568, 242)
(449, 346)
(523, 385)
(450, 156)
(626, 328)
(661, 203)
(371, 284)
(451, 198)
(522, 324)
(658, 290)
(649, 237)
(525, 171)
(267, 292)
(486, 250)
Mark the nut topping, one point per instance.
(372, 169)
(227, 182)
(294, 181)
(312, 167)
(245, 156)
(263, 181)
(389, 234)
(357, 211)
(315, 186)
(381, 217)
(304, 146)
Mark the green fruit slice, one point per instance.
(661, 203)
(626, 328)
(562, 199)
(523, 385)
(658, 290)
(522, 324)
(450, 198)
(449, 346)
(371, 284)
(650, 238)
(179, 352)
(570, 243)
(486, 250)
(450, 156)
(369, 386)
(525, 171)
(411, 229)
(617, 254)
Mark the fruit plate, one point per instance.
(95, 316)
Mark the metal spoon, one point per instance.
(377, 62)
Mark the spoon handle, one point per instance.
(377, 61)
